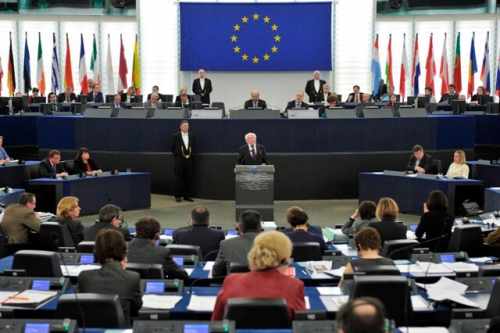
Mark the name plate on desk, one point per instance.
(303, 114)
(206, 114)
(394, 173)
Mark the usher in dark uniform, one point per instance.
(183, 165)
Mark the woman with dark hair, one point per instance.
(435, 222)
(83, 164)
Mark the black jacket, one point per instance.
(91, 232)
(293, 105)
(62, 98)
(179, 150)
(112, 279)
(261, 104)
(96, 97)
(351, 98)
(434, 225)
(245, 158)
(180, 105)
(314, 96)
(75, 229)
(447, 98)
(389, 230)
(300, 236)
(201, 235)
(203, 93)
(425, 162)
(80, 167)
(142, 251)
(46, 170)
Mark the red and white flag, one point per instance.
(404, 70)
(122, 69)
(443, 71)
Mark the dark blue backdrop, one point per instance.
(256, 37)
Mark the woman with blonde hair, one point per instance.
(387, 213)
(459, 167)
(268, 260)
(68, 212)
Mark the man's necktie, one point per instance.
(252, 152)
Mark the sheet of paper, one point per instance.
(31, 297)
(4, 295)
(163, 302)
(75, 270)
(333, 303)
(481, 260)
(419, 303)
(346, 250)
(329, 291)
(208, 266)
(202, 303)
(433, 329)
(336, 272)
(189, 271)
(432, 268)
(308, 303)
(447, 289)
(462, 267)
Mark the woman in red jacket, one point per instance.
(268, 261)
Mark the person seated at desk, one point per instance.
(183, 100)
(200, 234)
(51, 167)
(481, 92)
(388, 213)
(20, 219)
(130, 96)
(435, 222)
(4, 157)
(268, 260)
(363, 314)
(332, 102)
(297, 218)
(110, 217)
(450, 96)
(361, 218)
(428, 93)
(143, 249)
(68, 212)
(34, 93)
(153, 102)
(83, 164)
(419, 162)
(368, 243)
(459, 167)
(255, 102)
(356, 97)
(326, 93)
(95, 96)
(112, 277)
(117, 102)
(235, 250)
(252, 153)
(68, 96)
(298, 103)
(154, 90)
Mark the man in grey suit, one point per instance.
(143, 249)
(235, 250)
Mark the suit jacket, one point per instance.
(179, 150)
(200, 235)
(80, 167)
(112, 279)
(46, 170)
(17, 221)
(261, 104)
(179, 104)
(233, 250)
(447, 98)
(261, 284)
(203, 93)
(351, 98)
(75, 229)
(141, 250)
(62, 98)
(96, 97)
(314, 96)
(425, 162)
(433, 225)
(292, 105)
(245, 158)
(91, 232)
(301, 236)
(389, 230)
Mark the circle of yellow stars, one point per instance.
(245, 56)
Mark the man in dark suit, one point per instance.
(252, 153)
(68, 96)
(155, 90)
(199, 234)
(95, 96)
(298, 103)
(202, 87)
(51, 167)
(297, 218)
(110, 217)
(314, 88)
(183, 100)
(182, 150)
(419, 162)
(143, 249)
(356, 96)
(255, 102)
(235, 250)
(450, 96)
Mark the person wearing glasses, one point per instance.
(110, 217)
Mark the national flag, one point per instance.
(376, 72)
(84, 81)
(457, 70)
(11, 72)
(415, 68)
(443, 70)
(122, 69)
(485, 68)
(498, 76)
(404, 69)
(388, 66)
(136, 68)
(94, 63)
(68, 72)
(472, 66)
(109, 69)
(430, 66)
(26, 66)
(40, 74)
(1, 76)
(56, 70)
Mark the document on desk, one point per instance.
(339, 272)
(29, 297)
(75, 270)
(307, 302)
(329, 291)
(419, 303)
(462, 267)
(208, 266)
(162, 302)
(333, 303)
(4, 295)
(447, 289)
(201, 303)
(430, 268)
(433, 329)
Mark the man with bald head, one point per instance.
(314, 88)
(202, 86)
(255, 102)
(364, 314)
(298, 102)
(252, 153)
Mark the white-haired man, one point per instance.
(252, 153)
(255, 102)
(314, 88)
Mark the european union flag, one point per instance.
(256, 37)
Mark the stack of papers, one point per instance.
(333, 303)
(446, 289)
(202, 303)
(339, 272)
(329, 291)
(427, 268)
(462, 267)
(29, 297)
(162, 302)
(75, 270)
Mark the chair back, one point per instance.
(306, 251)
(146, 271)
(252, 313)
(399, 248)
(466, 238)
(54, 235)
(86, 247)
(38, 263)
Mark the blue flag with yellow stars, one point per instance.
(256, 36)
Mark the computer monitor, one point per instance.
(423, 101)
(457, 106)
(484, 99)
